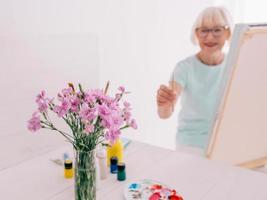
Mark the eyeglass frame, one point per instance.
(212, 30)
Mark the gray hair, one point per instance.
(212, 16)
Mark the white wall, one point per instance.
(50, 16)
(43, 45)
(254, 11)
(246, 11)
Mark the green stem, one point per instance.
(126, 126)
(51, 127)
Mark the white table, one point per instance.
(195, 178)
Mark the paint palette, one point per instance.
(147, 189)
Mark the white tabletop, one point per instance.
(195, 178)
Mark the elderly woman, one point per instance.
(197, 80)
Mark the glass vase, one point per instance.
(85, 175)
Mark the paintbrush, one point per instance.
(172, 88)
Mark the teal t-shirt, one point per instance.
(201, 85)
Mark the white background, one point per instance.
(135, 43)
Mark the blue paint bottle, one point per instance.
(113, 165)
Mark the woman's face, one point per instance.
(212, 38)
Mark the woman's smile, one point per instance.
(210, 44)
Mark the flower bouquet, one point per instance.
(93, 118)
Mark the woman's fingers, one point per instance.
(165, 95)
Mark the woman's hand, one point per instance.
(166, 97)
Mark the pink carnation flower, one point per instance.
(133, 124)
(62, 109)
(86, 113)
(122, 89)
(42, 102)
(89, 128)
(112, 135)
(34, 123)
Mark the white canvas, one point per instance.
(239, 135)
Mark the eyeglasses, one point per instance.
(216, 31)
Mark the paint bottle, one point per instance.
(121, 175)
(113, 164)
(68, 169)
(116, 150)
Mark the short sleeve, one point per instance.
(179, 74)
